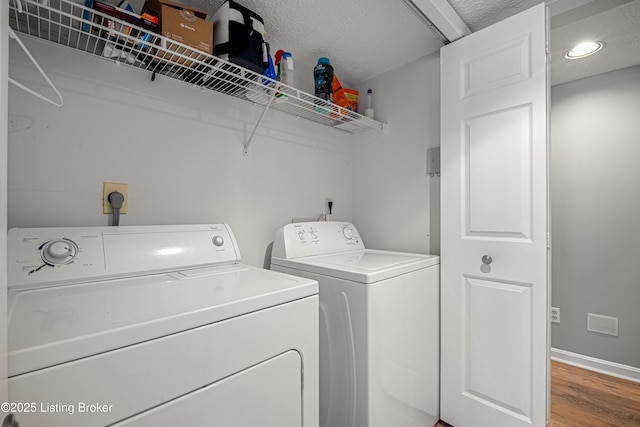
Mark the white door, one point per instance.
(494, 225)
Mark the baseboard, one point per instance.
(626, 372)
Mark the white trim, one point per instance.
(614, 369)
(4, 120)
(558, 7)
(443, 17)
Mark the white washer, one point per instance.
(156, 326)
(379, 325)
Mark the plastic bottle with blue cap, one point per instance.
(323, 77)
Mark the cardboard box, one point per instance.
(184, 24)
(344, 97)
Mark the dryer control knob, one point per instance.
(218, 241)
(59, 251)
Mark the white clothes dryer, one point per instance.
(379, 325)
(156, 326)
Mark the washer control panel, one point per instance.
(40, 257)
(315, 238)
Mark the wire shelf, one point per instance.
(75, 26)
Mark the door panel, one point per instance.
(503, 357)
(501, 65)
(494, 286)
(498, 200)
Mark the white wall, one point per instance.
(595, 182)
(396, 206)
(179, 149)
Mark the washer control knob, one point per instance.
(59, 251)
(347, 233)
(301, 235)
(218, 241)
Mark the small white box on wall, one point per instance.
(602, 324)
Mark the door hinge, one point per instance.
(548, 240)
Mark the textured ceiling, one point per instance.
(362, 38)
(478, 14)
(365, 38)
(357, 35)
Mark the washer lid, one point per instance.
(363, 266)
(49, 326)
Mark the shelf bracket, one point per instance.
(266, 108)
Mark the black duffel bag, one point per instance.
(238, 36)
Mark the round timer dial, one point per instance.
(347, 233)
(61, 251)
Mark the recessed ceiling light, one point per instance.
(584, 49)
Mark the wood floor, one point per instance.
(582, 398)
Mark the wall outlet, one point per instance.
(555, 315)
(108, 188)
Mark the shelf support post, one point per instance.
(266, 108)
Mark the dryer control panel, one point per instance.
(315, 238)
(40, 257)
